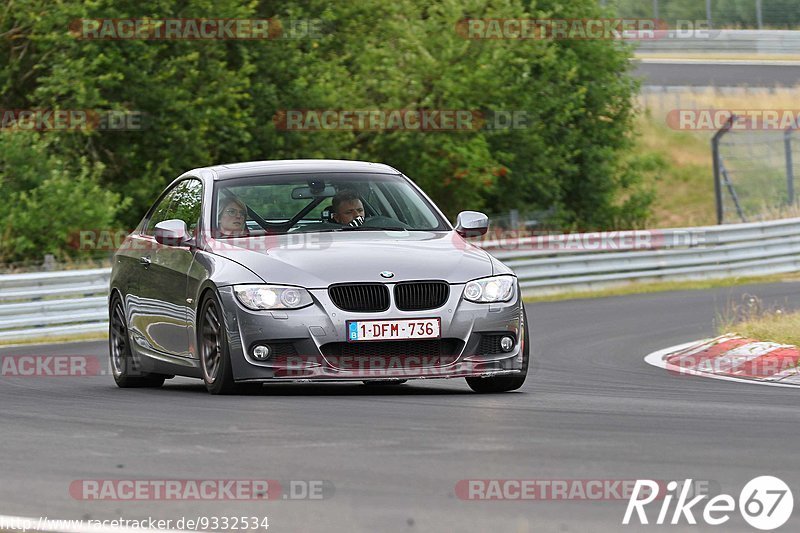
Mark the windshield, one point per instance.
(320, 202)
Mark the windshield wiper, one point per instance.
(371, 228)
(353, 228)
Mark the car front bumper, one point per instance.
(311, 344)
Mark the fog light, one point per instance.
(261, 352)
(506, 344)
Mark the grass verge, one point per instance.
(775, 327)
(86, 337)
(661, 286)
(750, 318)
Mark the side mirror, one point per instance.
(172, 233)
(472, 224)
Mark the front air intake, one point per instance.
(360, 297)
(420, 295)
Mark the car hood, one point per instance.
(316, 260)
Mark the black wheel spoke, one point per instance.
(119, 340)
(212, 320)
(210, 351)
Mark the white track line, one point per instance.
(724, 62)
(53, 525)
(659, 359)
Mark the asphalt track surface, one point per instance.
(717, 75)
(591, 409)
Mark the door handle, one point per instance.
(145, 260)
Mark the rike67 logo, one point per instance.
(766, 503)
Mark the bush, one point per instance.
(46, 201)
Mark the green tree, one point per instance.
(209, 102)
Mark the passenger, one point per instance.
(232, 219)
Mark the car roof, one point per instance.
(293, 166)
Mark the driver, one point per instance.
(347, 208)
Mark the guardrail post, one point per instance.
(759, 17)
(787, 146)
(715, 154)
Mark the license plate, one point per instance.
(380, 330)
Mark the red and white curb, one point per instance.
(733, 358)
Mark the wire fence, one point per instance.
(524, 222)
(731, 14)
(756, 174)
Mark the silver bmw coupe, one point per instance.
(310, 270)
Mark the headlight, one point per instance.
(257, 297)
(489, 290)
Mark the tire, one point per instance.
(212, 341)
(124, 366)
(506, 383)
(215, 355)
(372, 382)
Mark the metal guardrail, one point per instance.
(557, 263)
(55, 304)
(705, 41)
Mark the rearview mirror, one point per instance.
(304, 193)
(472, 224)
(172, 232)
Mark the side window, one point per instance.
(161, 212)
(187, 203)
(182, 202)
